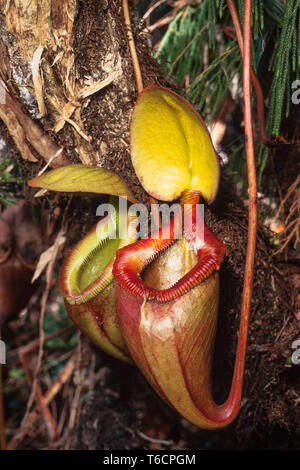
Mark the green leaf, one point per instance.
(83, 179)
(16, 373)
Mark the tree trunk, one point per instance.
(70, 90)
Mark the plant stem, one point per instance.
(134, 57)
(255, 81)
(252, 184)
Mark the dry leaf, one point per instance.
(47, 255)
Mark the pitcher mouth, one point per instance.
(131, 277)
(132, 260)
(81, 277)
(170, 266)
(87, 270)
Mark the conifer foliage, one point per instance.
(199, 50)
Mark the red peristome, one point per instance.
(132, 259)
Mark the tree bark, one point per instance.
(68, 65)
